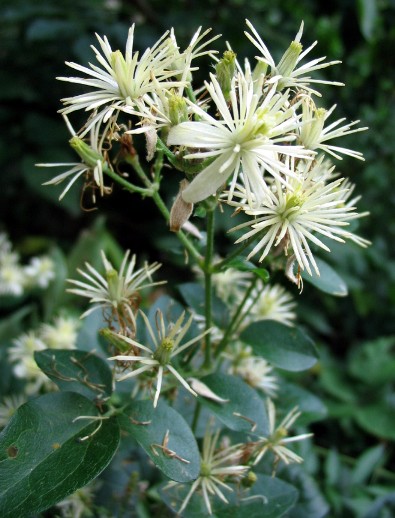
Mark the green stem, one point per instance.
(208, 281)
(236, 320)
(151, 189)
(219, 266)
(196, 415)
(127, 185)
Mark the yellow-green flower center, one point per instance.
(163, 353)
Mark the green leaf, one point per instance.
(54, 294)
(285, 347)
(374, 362)
(377, 419)
(43, 458)
(193, 294)
(367, 463)
(312, 408)
(367, 17)
(244, 410)
(311, 503)
(179, 459)
(240, 263)
(328, 281)
(269, 497)
(76, 371)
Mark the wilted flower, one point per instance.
(167, 344)
(117, 291)
(91, 166)
(216, 465)
(279, 438)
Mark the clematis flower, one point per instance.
(116, 291)
(278, 438)
(167, 345)
(290, 218)
(313, 135)
(286, 72)
(122, 79)
(216, 465)
(92, 160)
(271, 303)
(249, 136)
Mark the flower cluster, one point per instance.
(255, 137)
(16, 278)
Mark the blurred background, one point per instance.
(357, 333)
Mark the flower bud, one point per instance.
(178, 111)
(225, 70)
(85, 152)
(181, 210)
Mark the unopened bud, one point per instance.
(86, 153)
(289, 61)
(115, 340)
(178, 111)
(181, 210)
(225, 70)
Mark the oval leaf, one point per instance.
(312, 408)
(244, 410)
(283, 346)
(328, 281)
(76, 371)
(166, 437)
(269, 497)
(45, 455)
(377, 419)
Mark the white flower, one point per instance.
(314, 136)
(78, 504)
(167, 345)
(92, 163)
(24, 366)
(116, 291)
(40, 271)
(62, 334)
(272, 303)
(216, 465)
(291, 217)
(286, 72)
(121, 80)
(12, 278)
(230, 284)
(254, 370)
(249, 136)
(279, 438)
